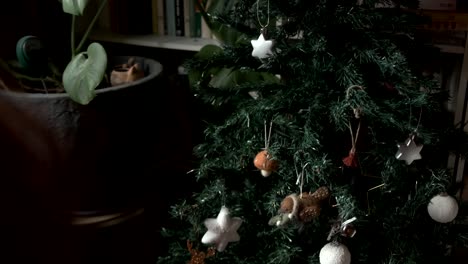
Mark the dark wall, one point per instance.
(43, 18)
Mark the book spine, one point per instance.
(205, 29)
(154, 16)
(196, 20)
(187, 7)
(179, 17)
(170, 17)
(161, 18)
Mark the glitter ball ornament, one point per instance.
(443, 208)
(264, 162)
(334, 253)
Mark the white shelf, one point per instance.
(154, 41)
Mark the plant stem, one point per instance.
(202, 7)
(45, 86)
(72, 40)
(90, 26)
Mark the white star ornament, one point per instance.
(222, 229)
(261, 47)
(408, 151)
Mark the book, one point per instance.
(205, 29)
(195, 20)
(154, 16)
(438, 5)
(179, 17)
(170, 17)
(187, 14)
(161, 18)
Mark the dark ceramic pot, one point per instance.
(107, 148)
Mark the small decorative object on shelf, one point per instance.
(126, 73)
(31, 54)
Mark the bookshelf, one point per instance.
(450, 48)
(445, 25)
(153, 40)
(152, 23)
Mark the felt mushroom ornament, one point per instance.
(264, 161)
(304, 207)
(443, 208)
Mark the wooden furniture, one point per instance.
(457, 23)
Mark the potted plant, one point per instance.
(103, 133)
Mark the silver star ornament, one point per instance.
(222, 229)
(261, 47)
(408, 151)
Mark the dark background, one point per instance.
(134, 240)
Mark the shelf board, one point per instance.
(154, 41)
(453, 49)
(193, 44)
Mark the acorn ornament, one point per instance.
(335, 253)
(265, 163)
(443, 208)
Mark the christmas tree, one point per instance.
(326, 141)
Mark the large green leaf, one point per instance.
(221, 77)
(205, 53)
(229, 77)
(224, 34)
(74, 7)
(84, 73)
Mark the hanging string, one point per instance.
(368, 201)
(267, 135)
(268, 14)
(356, 110)
(300, 178)
(419, 119)
(222, 192)
(342, 227)
(351, 160)
(354, 138)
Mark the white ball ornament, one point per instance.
(443, 208)
(334, 253)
